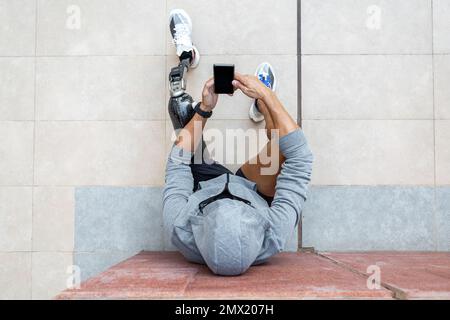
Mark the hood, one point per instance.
(229, 236)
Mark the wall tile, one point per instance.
(122, 219)
(232, 143)
(106, 27)
(53, 219)
(100, 153)
(15, 275)
(237, 106)
(363, 152)
(235, 27)
(15, 218)
(93, 263)
(346, 218)
(443, 218)
(248, 137)
(441, 91)
(17, 27)
(442, 136)
(16, 153)
(101, 88)
(16, 88)
(367, 87)
(366, 26)
(441, 26)
(51, 271)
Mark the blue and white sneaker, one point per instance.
(181, 30)
(266, 75)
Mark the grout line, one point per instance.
(215, 119)
(158, 186)
(397, 293)
(34, 145)
(144, 55)
(435, 219)
(369, 54)
(299, 103)
(225, 54)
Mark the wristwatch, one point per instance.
(204, 114)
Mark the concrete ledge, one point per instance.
(157, 275)
(410, 275)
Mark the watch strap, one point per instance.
(204, 114)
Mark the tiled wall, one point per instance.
(376, 108)
(84, 109)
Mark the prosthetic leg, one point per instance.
(181, 104)
(181, 109)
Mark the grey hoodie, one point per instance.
(230, 235)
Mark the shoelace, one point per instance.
(181, 36)
(266, 80)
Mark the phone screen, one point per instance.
(223, 76)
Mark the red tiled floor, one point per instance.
(415, 275)
(146, 275)
(289, 276)
(168, 275)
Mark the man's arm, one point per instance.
(295, 174)
(292, 182)
(179, 181)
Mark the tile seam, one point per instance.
(396, 292)
(34, 146)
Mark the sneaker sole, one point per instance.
(256, 117)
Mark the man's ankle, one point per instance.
(187, 55)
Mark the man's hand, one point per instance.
(209, 98)
(251, 86)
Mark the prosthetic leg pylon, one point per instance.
(181, 109)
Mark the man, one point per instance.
(231, 221)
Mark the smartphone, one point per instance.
(223, 76)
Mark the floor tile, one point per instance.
(441, 26)
(136, 278)
(220, 28)
(101, 27)
(118, 218)
(287, 275)
(442, 136)
(441, 92)
(414, 275)
(51, 273)
(363, 218)
(53, 219)
(237, 106)
(101, 88)
(16, 150)
(15, 218)
(367, 87)
(16, 88)
(17, 27)
(366, 26)
(100, 153)
(370, 152)
(15, 275)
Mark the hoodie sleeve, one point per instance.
(178, 186)
(291, 186)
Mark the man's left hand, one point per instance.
(209, 98)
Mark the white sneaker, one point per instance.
(181, 31)
(266, 75)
